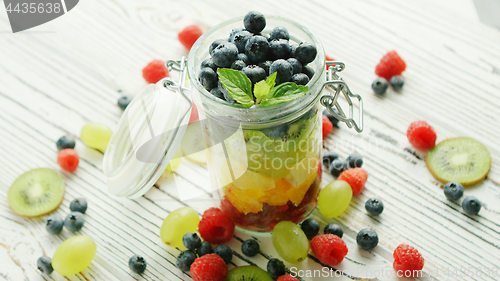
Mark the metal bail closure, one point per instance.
(148, 135)
(336, 86)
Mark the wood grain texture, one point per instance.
(61, 75)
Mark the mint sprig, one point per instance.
(239, 87)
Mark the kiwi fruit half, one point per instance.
(36, 192)
(248, 273)
(462, 160)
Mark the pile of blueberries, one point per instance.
(257, 55)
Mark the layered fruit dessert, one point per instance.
(269, 168)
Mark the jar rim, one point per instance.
(236, 110)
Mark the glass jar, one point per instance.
(264, 161)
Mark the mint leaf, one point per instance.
(237, 84)
(284, 93)
(271, 80)
(261, 90)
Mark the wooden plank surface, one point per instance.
(61, 75)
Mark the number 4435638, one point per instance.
(34, 8)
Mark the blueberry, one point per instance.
(296, 65)
(123, 102)
(332, 118)
(250, 248)
(191, 240)
(44, 264)
(224, 54)
(74, 221)
(276, 268)
(226, 95)
(337, 167)
(265, 65)
(367, 239)
(208, 78)
(218, 93)
(240, 39)
(78, 205)
(278, 49)
(328, 158)
(254, 73)
(335, 229)
(243, 57)
(224, 252)
(204, 249)
(254, 22)
(300, 79)
(283, 69)
(355, 160)
(185, 259)
(276, 132)
(305, 53)
(453, 191)
(293, 47)
(54, 224)
(66, 141)
(397, 82)
(279, 32)
(471, 205)
(257, 48)
(374, 206)
(238, 65)
(233, 32)
(379, 86)
(209, 63)
(215, 44)
(137, 264)
(307, 70)
(310, 227)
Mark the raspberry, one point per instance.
(215, 226)
(287, 277)
(356, 178)
(68, 159)
(209, 267)
(194, 114)
(327, 58)
(329, 249)
(189, 35)
(327, 126)
(154, 71)
(407, 261)
(390, 64)
(421, 135)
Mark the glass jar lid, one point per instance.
(147, 136)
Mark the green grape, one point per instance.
(177, 224)
(96, 135)
(290, 242)
(334, 198)
(74, 255)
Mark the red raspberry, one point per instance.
(421, 135)
(287, 277)
(68, 159)
(155, 71)
(194, 114)
(407, 261)
(215, 226)
(329, 249)
(208, 267)
(391, 64)
(189, 35)
(327, 126)
(327, 58)
(356, 178)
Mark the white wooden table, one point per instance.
(58, 76)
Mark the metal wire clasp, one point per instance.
(336, 86)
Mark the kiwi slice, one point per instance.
(462, 160)
(36, 192)
(248, 273)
